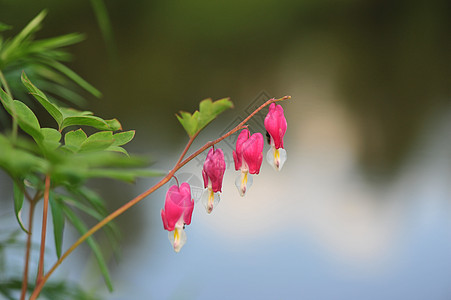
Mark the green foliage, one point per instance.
(70, 158)
(208, 111)
(42, 58)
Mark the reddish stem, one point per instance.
(27, 253)
(44, 230)
(137, 199)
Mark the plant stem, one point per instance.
(44, 229)
(27, 253)
(137, 199)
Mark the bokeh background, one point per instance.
(362, 208)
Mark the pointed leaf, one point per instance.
(73, 76)
(114, 124)
(189, 122)
(209, 110)
(98, 141)
(73, 139)
(82, 229)
(52, 109)
(18, 203)
(123, 138)
(118, 149)
(58, 222)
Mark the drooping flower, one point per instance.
(248, 158)
(213, 173)
(276, 126)
(178, 208)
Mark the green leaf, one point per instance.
(73, 76)
(98, 141)
(58, 223)
(52, 138)
(118, 149)
(57, 42)
(123, 138)
(189, 122)
(27, 120)
(74, 117)
(31, 27)
(82, 229)
(18, 203)
(114, 124)
(7, 102)
(208, 111)
(73, 139)
(52, 109)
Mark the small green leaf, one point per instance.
(52, 138)
(98, 141)
(118, 149)
(74, 117)
(58, 222)
(57, 42)
(18, 203)
(52, 109)
(73, 139)
(189, 122)
(123, 138)
(208, 111)
(114, 124)
(82, 229)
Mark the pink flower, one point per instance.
(248, 154)
(213, 173)
(177, 212)
(214, 168)
(276, 126)
(248, 158)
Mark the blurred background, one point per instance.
(362, 207)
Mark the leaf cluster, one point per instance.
(69, 156)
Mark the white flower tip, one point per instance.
(210, 199)
(276, 157)
(243, 182)
(177, 238)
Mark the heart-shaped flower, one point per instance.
(178, 208)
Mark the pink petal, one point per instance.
(253, 152)
(276, 124)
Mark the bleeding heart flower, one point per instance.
(177, 212)
(213, 173)
(248, 158)
(276, 126)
